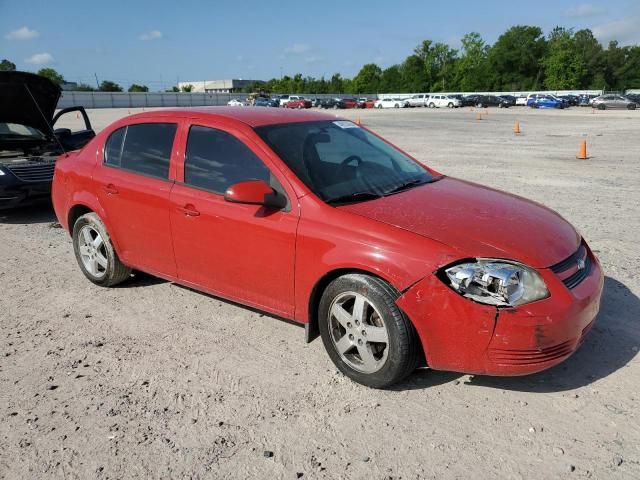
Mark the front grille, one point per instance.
(531, 357)
(574, 269)
(34, 170)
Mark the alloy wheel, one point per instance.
(93, 251)
(358, 332)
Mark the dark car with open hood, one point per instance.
(29, 143)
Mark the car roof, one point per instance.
(254, 117)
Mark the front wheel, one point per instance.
(379, 106)
(95, 253)
(631, 106)
(365, 334)
(602, 106)
(450, 105)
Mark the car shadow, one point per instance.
(612, 343)
(39, 213)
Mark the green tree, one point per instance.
(109, 86)
(138, 88)
(472, 69)
(516, 59)
(391, 80)
(7, 66)
(186, 88)
(173, 89)
(412, 73)
(83, 87)
(564, 66)
(594, 58)
(336, 84)
(368, 79)
(52, 75)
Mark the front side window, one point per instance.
(341, 162)
(142, 148)
(215, 160)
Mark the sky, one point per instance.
(160, 43)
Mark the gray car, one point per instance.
(613, 101)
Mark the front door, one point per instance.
(241, 252)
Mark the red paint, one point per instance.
(273, 259)
(300, 103)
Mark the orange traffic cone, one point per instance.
(516, 128)
(582, 153)
(358, 121)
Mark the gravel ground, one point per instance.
(155, 380)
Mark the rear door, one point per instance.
(242, 252)
(133, 185)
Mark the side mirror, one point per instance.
(255, 192)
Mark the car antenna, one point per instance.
(46, 121)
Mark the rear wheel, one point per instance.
(365, 334)
(450, 105)
(602, 106)
(95, 253)
(379, 106)
(631, 106)
(432, 105)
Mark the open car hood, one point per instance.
(17, 106)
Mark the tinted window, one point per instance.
(216, 160)
(338, 158)
(113, 147)
(143, 148)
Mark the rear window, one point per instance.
(142, 148)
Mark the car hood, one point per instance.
(17, 104)
(477, 221)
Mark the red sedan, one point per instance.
(299, 103)
(321, 221)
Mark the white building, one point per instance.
(217, 86)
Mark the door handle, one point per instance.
(111, 189)
(189, 210)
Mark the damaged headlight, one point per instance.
(497, 282)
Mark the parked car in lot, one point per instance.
(391, 103)
(469, 100)
(604, 102)
(634, 97)
(540, 100)
(418, 100)
(366, 103)
(438, 100)
(234, 102)
(266, 102)
(298, 102)
(482, 101)
(29, 141)
(510, 99)
(521, 101)
(569, 100)
(335, 103)
(318, 220)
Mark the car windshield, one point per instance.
(341, 162)
(17, 130)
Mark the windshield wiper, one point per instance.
(354, 197)
(408, 185)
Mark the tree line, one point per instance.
(521, 59)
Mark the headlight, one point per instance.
(497, 282)
(1, 172)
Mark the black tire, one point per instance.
(396, 106)
(403, 347)
(115, 271)
(450, 105)
(479, 105)
(379, 106)
(631, 106)
(602, 106)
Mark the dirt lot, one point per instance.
(155, 380)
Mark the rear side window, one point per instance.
(215, 160)
(142, 148)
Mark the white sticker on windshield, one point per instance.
(345, 124)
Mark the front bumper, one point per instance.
(460, 335)
(16, 193)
